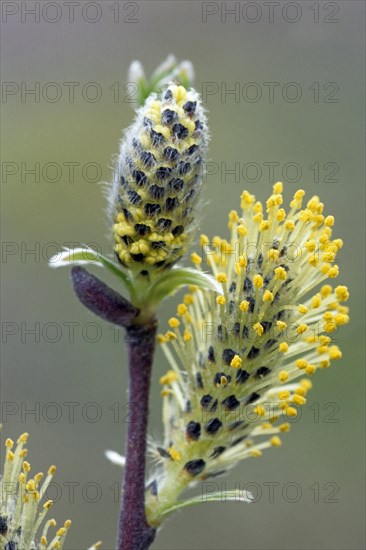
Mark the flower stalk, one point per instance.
(134, 532)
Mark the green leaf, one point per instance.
(87, 256)
(172, 280)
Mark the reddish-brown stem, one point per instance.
(134, 532)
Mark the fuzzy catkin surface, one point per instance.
(158, 180)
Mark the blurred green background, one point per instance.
(324, 455)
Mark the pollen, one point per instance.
(342, 293)
(196, 259)
(239, 357)
(222, 278)
(174, 322)
(244, 306)
(168, 378)
(258, 281)
(236, 362)
(181, 309)
(268, 296)
(283, 376)
(258, 328)
(260, 410)
(280, 273)
(174, 454)
(281, 325)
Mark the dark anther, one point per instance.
(195, 467)
(213, 426)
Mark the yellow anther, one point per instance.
(290, 225)
(43, 540)
(334, 353)
(290, 411)
(266, 426)
(329, 257)
(258, 207)
(181, 309)
(168, 378)
(246, 199)
(299, 194)
(204, 240)
(302, 309)
(268, 296)
(281, 325)
(188, 299)
(244, 305)
(301, 363)
(282, 395)
(264, 225)
(283, 376)
(258, 281)
(325, 269)
(283, 347)
(161, 339)
(333, 272)
(260, 410)
(165, 393)
(174, 454)
(220, 300)
(233, 216)
(275, 441)
(310, 369)
(221, 278)
(258, 329)
(21, 478)
(329, 221)
(9, 443)
(342, 293)
(23, 438)
(68, 524)
(281, 215)
(310, 245)
(338, 243)
(285, 427)
(273, 255)
(341, 319)
(173, 322)
(303, 327)
(242, 230)
(187, 336)
(298, 399)
(243, 261)
(47, 505)
(38, 477)
(52, 470)
(196, 259)
(223, 381)
(326, 290)
(61, 531)
(278, 187)
(316, 301)
(236, 362)
(169, 335)
(10, 456)
(280, 273)
(256, 453)
(26, 466)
